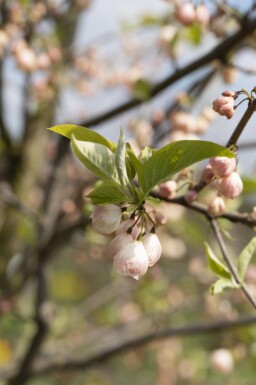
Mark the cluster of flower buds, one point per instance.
(224, 105)
(221, 172)
(134, 245)
(187, 14)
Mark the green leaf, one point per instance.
(120, 161)
(82, 133)
(96, 157)
(133, 158)
(222, 284)
(249, 185)
(108, 192)
(215, 264)
(175, 157)
(141, 89)
(245, 258)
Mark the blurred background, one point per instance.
(65, 315)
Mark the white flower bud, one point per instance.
(222, 166)
(106, 219)
(118, 243)
(153, 248)
(217, 206)
(185, 14)
(168, 189)
(132, 260)
(231, 186)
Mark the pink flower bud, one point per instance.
(185, 14)
(168, 189)
(125, 225)
(222, 166)
(207, 174)
(224, 105)
(191, 196)
(217, 206)
(231, 186)
(106, 219)
(131, 260)
(183, 121)
(202, 15)
(228, 93)
(153, 248)
(118, 243)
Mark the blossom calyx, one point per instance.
(106, 219)
(132, 260)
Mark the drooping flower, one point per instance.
(119, 242)
(106, 219)
(153, 248)
(132, 260)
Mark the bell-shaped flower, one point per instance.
(106, 219)
(153, 248)
(131, 260)
(119, 242)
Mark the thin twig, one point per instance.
(229, 262)
(219, 52)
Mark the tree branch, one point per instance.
(158, 334)
(219, 52)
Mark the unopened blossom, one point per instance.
(222, 360)
(129, 226)
(168, 189)
(229, 74)
(207, 174)
(202, 15)
(191, 196)
(153, 248)
(224, 105)
(185, 14)
(183, 121)
(217, 206)
(132, 260)
(118, 243)
(106, 219)
(222, 166)
(231, 186)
